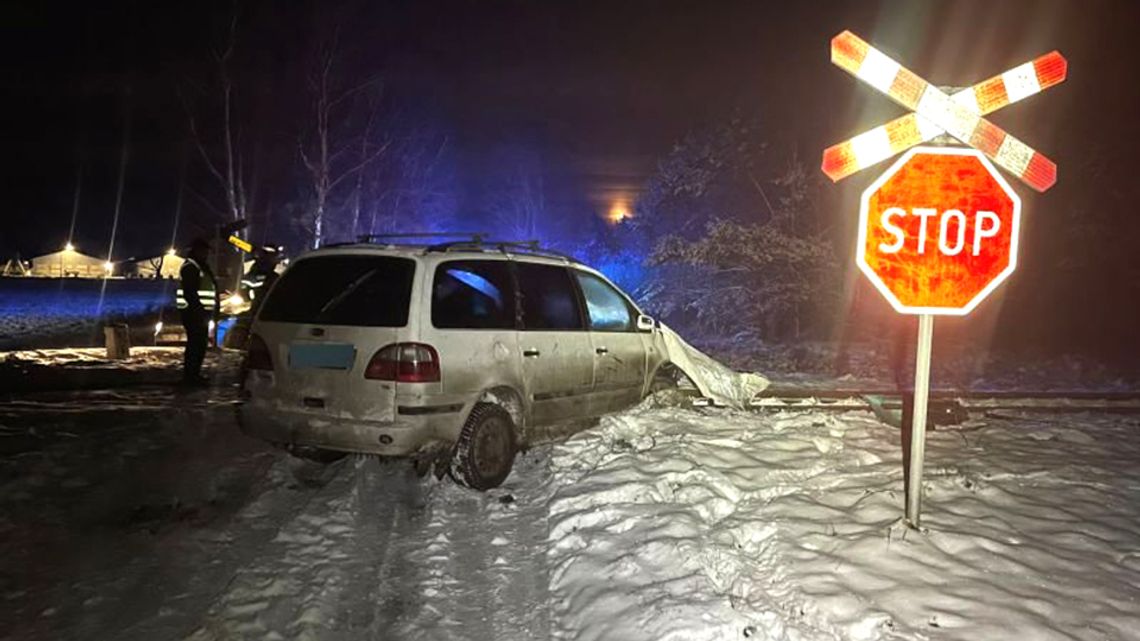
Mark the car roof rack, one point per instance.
(474, 237)
(470, 241)
(528, 247)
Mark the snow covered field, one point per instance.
(671, 525)
(142, 514)
(89, 367)
(35, 312)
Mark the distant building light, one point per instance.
(235, 300)
(109, 267)
(619, 211)
(158, 328)
(69, 247)
(172, 252)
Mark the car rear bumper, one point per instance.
(414, 429)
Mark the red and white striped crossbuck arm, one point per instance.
(882, 142)
(937, 113)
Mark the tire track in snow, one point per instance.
(379, 554)
(300, 585)
(478, 561)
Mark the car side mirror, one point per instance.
(645, 323)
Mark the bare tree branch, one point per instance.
(228, 170)
(347, 173)
(206, 201)
(335, 134)
(197, 139)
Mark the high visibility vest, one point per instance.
(206, 289)
(252, 285)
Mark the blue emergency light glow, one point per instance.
(478, 283)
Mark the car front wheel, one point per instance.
(486, 448)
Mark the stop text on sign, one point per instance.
(938, 231)
(952, 226)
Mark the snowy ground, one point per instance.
(138, 515)
(89, 368)
(144, 514)
(670, 525)
(36, 312)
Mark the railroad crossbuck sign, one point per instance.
(936, 113)
(938, 231)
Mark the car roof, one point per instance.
(439, 253)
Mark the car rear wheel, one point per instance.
(486, 448)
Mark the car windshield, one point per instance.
(366, 291)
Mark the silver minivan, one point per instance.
(457, 350)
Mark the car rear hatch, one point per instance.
(322, 323)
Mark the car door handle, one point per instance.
(602, 350)
(531, 353)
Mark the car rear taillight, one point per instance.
(257, 357)
(404, 363)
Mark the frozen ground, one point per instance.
(35, 312)
(670, 525)
(145, 514)
(138, 515)
(89, 368)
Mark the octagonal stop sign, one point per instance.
(938, 231)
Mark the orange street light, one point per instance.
(619, 211)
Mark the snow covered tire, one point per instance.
(486, 448)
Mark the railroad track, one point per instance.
(1051, 401)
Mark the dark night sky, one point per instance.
(601, 89)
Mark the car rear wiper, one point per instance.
(339, 298)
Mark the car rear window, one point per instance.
(365, 291)
(473, 294)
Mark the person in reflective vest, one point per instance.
(198, 302)
(254, 286)
(262, 274)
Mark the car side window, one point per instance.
(473, 294)
(549, 301)
(607, 309)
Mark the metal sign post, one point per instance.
(918, 424)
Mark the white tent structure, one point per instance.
(167, 265)
(15, 267)
(69, 262)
